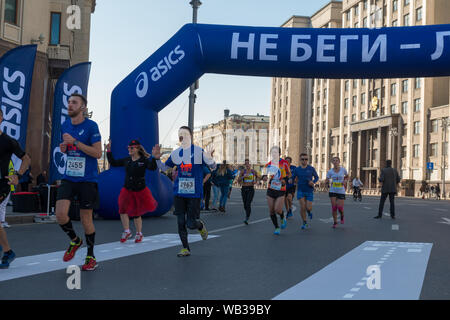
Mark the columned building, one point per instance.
(368, 121)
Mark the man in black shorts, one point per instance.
(82, 145)
(8, 147)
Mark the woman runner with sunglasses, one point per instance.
(135, 198)
(305, 176)
(338, 177)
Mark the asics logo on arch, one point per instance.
(157, 72)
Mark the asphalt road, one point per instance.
(240, 262)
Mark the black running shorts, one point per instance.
(85, 192)
(339, 196)
(274, 194)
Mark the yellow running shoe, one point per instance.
(184, 253)
(203, 232)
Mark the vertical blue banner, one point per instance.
(16, 74)
(73, 80)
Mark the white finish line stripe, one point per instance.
(42, 263)
(401, 274)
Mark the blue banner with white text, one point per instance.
(73, 80)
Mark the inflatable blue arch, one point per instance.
(196, 49)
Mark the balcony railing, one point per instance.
(59, 52)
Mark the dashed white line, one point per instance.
(348, 296)
(355, 289)
(33, 263)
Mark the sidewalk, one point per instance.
(18, 217)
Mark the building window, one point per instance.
(394, 23)
(11, 11)
(378, 93)
(393, 108)
(286, 115)
(416, 151)
(416, 127)
(287, 100)
(356, 10)
(332, 141)
(433, 150)
(406, 2)
(324, 109)
(419, 14)
(405, 107)
(346, 85)
(316, 159)
(55, 28)
(394, 5)
(363, 98)
(434, 126)
(363, 115)
(363, 82)
(325, 91)
(403, 155)
(346, 103)
(393, 89)
(418, 83)
(357, 25)
(365, 22)
(353, 101)
(324, 125)
(323, 142)
(347, 15)
(445, 148)
(345, 139)
(345, 120)
(344, 157)
(317, 127)
(417, 105)
(405, 86)
(406, 20)
(355, 83)
(353, 117)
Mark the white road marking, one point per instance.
(238, 226)
(395, 227)
(402, 277)
(47, 262)
(446, 221)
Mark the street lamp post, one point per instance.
(350, 142)
(445, 124)
(195, 5)
(393, 132)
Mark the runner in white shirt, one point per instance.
(338, 177)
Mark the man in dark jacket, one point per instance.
(389, 178)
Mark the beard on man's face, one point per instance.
(74, 113)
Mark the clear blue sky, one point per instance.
(125, 33)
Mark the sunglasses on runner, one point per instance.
(304, 159)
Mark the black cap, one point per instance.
(134, 143)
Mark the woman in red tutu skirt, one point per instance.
(135, 198)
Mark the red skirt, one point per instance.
(136, 203)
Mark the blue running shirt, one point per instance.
(304, 177)
(81, 167)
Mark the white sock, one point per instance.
(127, 231)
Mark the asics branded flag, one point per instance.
(16, 73)
(73, 80)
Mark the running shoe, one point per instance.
(203, 232)
(246, 221)
(334, 225)
(5, 224)
(342, 219)
(138, 238)
(277, 231)
(289, 214)
(184, 253)
(125, 236)
(70, 253)
(305, 226)
(90, 264)
(283, 223)
(310, 215)
(7, 259)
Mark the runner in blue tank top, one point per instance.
(305, 176)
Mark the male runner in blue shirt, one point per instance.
(305, 176)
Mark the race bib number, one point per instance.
(248, 178)
(337, 185)
(76, 166)
(186, 185)
(275, 185)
